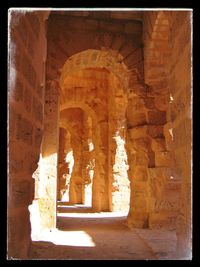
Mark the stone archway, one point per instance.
(135, 92)
(108, 61)
(87, 139)
(153, 114)
(91, 58)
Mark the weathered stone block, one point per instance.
(22, 29)
(140, 186)
(164, 159)
(151, 155)
(12, 122)
(137, 104)
(168, 134)
(24, 130)
(137, 132)
(28, 71)
(18, 91)
(156, 117)
(149, 102)
(155, 131)
(118, 41)
(16, 165)
(162, 102)
(107, 39)
(138, 219)
(27, 99)
(137, 119)
(160, 86)
(37, 110)
(166, 205)
(138, 90)
(182, 133)
(35, 23)
(31, 44)
(142, 144)
(82, 24)
(158, 144)
(132, 28)
(37, 137)
(141, 158)
(139, 173)
(21, 193)
(140, 204)
(158, 178)
(112, 27)
(162, 220)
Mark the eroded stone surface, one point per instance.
(127, 109)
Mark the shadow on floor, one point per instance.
(83, 235)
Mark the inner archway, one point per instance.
(100, 93)
(76, 157)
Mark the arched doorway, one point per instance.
(94, 86)
(99, 83)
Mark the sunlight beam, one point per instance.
(67, 238)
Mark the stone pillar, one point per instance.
(88, 160)
(49, 164)
(119, 188)
(140, 156)
(75, 189)
(102, 166)
(64, 171)
(26, 75)
(98, 188)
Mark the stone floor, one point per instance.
(84, 235)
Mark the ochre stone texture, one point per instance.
(65, 164)
(171, 79)
(114, 90)
(99, 91)
(180, 112)
(72, 119)
(26, 82)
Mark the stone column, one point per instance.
(119, 190)
(87, 161)
(102, 166)
(98, 188)
(48, 198)
(75, 190)
(64, 165)
(140, 156)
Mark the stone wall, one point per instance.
(180, 113)
(27, 55)
(164, 184)
(168, 49)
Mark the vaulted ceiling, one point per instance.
(71, 32)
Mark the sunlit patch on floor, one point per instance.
(92, 215)
(67, 238)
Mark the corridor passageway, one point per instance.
(85, 235)
(100, 134)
